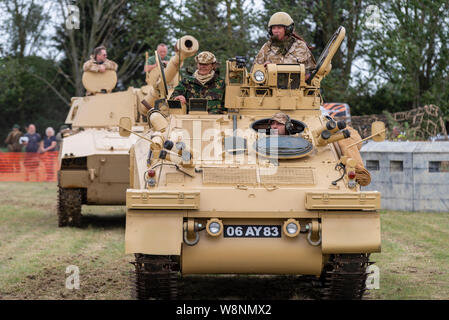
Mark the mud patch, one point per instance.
(95, 283)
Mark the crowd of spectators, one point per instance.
(32, 141)
(36, 150)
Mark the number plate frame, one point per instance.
(251, 231)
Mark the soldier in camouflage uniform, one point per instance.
(98, 61)
(204, 84)
(284, 46)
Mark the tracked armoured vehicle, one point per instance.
(94, 159)
(223, 194)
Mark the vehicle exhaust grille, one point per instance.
(273, 175)
(230, 175)
(285, 175)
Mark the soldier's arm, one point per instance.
(110, 65)
(90, 66)
(180, 91)
(304, 56)
(151, 64)
(310, 62)
(149, 67)
(261, 56)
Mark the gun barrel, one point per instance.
(185, 47)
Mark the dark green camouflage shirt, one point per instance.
(213, 90)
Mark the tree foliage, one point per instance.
(398, 63)
(221, 26)
(23, 26)
(25, 98)
(409, 53)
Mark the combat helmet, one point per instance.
(281, 19)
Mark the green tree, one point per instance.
(27, 82)
(25, 98)
(221, 26)
(23, 27)
(408, 53)
(126, 28)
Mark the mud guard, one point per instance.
(352, 232)
(153, 233)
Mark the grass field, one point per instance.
(34, 253)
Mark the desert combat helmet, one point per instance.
(281, 19)
(205, 57)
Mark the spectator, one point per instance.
(99, 61)
(13, 139)
(47, 145)
(31, 158)
(32, 143)
(162, 52)
(13, 143)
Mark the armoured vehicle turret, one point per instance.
(94, 159)
(225, 194)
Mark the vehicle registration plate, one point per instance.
(252, 231)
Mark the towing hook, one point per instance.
(192, 227)
(314, 230)
(194, 242)
(314, 243)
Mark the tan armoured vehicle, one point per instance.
(94, 158)
(223, 194)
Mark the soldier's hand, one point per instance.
(266, 62)
(180, 98)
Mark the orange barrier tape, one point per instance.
(28, 166)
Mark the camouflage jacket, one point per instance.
(213, 90)
(297, 54)
(92, 66)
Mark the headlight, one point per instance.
(291, 228)
(214, 227)
(259, 76)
